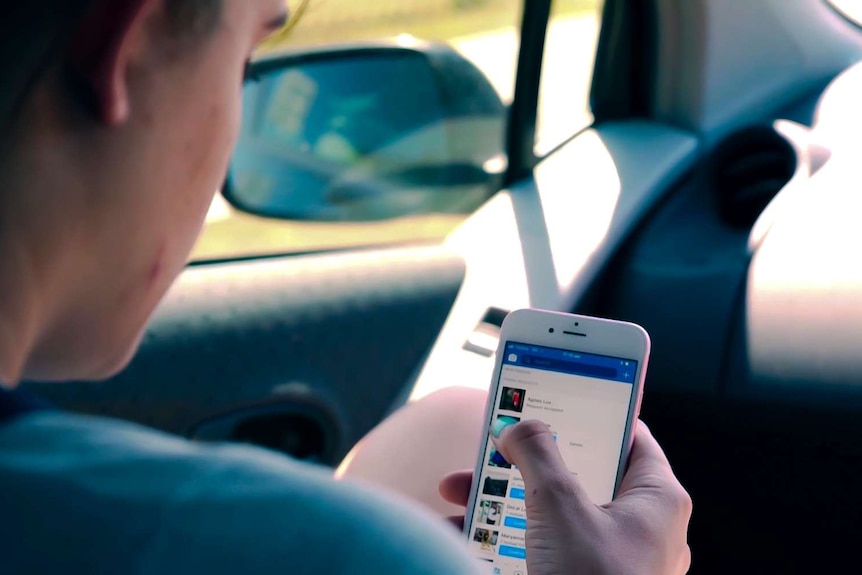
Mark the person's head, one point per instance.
(117, 119)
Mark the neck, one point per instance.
(19, 313)
(26, 252)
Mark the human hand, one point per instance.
(643, 531)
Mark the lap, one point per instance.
(414, 448)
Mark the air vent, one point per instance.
(749, 169)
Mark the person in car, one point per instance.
(118, 119)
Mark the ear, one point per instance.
(102, 48)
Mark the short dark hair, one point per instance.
(194, 16)
(33, 33)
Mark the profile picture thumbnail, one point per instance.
(513, 399)
(495, 487)
(490, 512)
(486, 538)
(496, 459)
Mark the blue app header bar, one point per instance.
(514, 552)
(574, 362)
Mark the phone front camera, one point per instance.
(551, 330)
(577, 324)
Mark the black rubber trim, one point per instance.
(625, 70)
(521, 136)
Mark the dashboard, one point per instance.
(626, 221)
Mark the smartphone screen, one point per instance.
(585, 399)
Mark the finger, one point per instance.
(648, 464)
(455, 487)
(648, 448)
(685, 562)
(531, 446)
(650, 478)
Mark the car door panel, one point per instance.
(252, 348)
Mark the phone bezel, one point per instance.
(597, 335)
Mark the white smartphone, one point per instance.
(583, 376)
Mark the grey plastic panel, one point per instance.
(804, 293)
(683, 275)
(345, 331)
(723, 64)
(680, 280)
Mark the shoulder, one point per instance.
(229, 508)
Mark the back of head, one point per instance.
(35, 34)
(32, 34)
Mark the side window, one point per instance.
(851, 9)
(567, 72)
(377, 149)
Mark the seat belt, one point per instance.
(15, 403)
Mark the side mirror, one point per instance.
(367, 133)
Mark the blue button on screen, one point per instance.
(516, 552)
(516, 493)
(516, 522)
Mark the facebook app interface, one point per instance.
(585, 399)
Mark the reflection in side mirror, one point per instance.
(369, 133)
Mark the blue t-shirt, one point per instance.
(90, 495)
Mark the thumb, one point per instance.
(531, 446)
